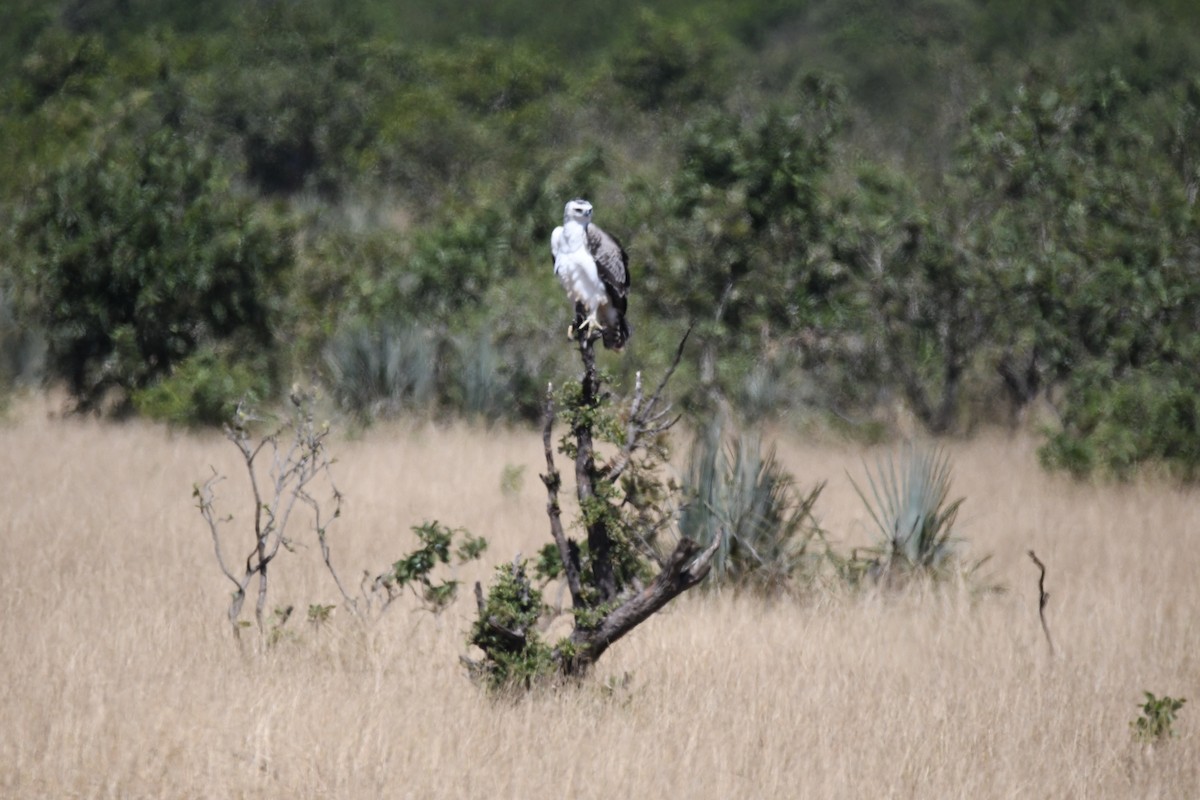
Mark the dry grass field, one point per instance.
(120, 677)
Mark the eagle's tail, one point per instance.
(615, 336)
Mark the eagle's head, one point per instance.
(578, 210)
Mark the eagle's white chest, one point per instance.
(575, 267)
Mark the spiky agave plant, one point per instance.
(910, 505)
(744, 495)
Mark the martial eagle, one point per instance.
(593, 268)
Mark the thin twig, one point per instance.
(645, 421)
(1043, 599)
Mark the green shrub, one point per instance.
(204, 389)
(670, 63)
(1114, 425)
(131, 258)
(506, 630)
(1155, 722)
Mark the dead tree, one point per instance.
(288, 468)
(296, 458)
(607, 573)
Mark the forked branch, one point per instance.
(291, 472)
(685, 567)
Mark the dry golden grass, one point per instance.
(121, 679)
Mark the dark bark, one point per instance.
(567, 550)
(686, 567)
(1022, 379)
(599, 539)
(1043, 599)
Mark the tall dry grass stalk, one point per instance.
(121, 679)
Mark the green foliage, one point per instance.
(414, 569)
(597, 417)
(638, 502)
(549, 564)
(470, 548)
(506, 632)
(297, 98)
(205, 389)
(1155, 722)
(913, 515)
(1011, 213)
(907, 306)
(319, 615)
(744, 221)
(133, 259)
(1091, 292)
(737, 492)
(1111, 425)
(59, 62)
(669, 62)
(279, 620)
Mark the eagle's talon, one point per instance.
(592, 326)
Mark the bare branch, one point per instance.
(1043, 599)
(671, 371)
(204, 496)
(288, 477)
(553, 481)
(645, 421)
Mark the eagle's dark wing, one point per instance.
(611, 261)
(612, 265)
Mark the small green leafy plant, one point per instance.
(1157, 718)
(506, 630)
(319, 615)
(414, 569)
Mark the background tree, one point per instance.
(838, 253)
(745, 224)
(136, 257)
(1099, 296)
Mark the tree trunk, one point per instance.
(599, 539)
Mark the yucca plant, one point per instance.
(378, 372)
(743, 495)
(909, 503)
